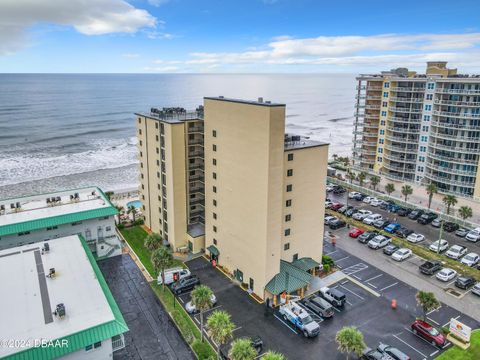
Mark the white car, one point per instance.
(473, 235)
(368, 199)
(352, 194)
(361, 214)
(456, 252)
(446, 274)
(329, 188)
(327, 204)
(476, 289)
(415, 238)
(191, 309)
(329, 218)
(442, 244)
(471, 259)
(370, 219)
(379, 242)
(376, 202)
(401, 254)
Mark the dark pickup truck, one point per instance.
(430, 267)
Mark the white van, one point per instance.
(170, 277)
(473, 235)
(370, 219)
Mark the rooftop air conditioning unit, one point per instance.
(60, 310)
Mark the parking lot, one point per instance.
(372, 314)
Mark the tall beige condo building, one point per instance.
(264, 193)
(422, 128)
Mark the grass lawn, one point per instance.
(135, 237)
(472, 353)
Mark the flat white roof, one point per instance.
(36, 207)
(26, 306)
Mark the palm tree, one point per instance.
(271, 355)
(132, 210)
(350, 339)
(350, 175)
(161, 259)
(449, 201)
(427, 301)
(361, 178)
(407, 190)
(120, 210)
(220, 327)
(431, 189)
(465, 212)
(374, 180)
(335, 157)
(202, 300)
(389, 188)
(242, 349)
(153, 241)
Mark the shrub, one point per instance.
(138, 222)
(121, 226)
(203, 350)
(326, 268)
(327, 260)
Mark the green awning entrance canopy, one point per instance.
(306, 263)
(213, 250)
(289, 279)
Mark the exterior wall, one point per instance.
(86, 227)
(308, 196)
(101, 353)
(249, 181)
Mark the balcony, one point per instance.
(405, 110)
(406, 100)
(456, 103)
(450, 170)
(405, 120)
(458, 91)
(200, 167)
(449, 125)
(195, 129)
(403, 130)
(374, 97)
(195, 142)
(195, 154)
(372, 116)
(404, 139)
(401, 149)
(370, 134)
(374, 88)
(457, 136)
(456, 114)
(196, 178)
(457, 149)
(372, 107)
(360, 87)
(449, 181)
(369, 143)
(367, 125)
(434, 156)
(200, 202)
(399, 168)
(407, 89)
(400, 158)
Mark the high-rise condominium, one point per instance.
(422, 128)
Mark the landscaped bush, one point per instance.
(203, 350)
(121, 226)
(327, 260)
(138, 222)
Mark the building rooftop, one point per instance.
(30, 298)
(259, 102)
(196, 230)
(174, 115)
(294, 142)
(40, 211)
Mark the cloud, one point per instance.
(88, 17)
(157, 3)
(165, 69)
(167, 62)
(158, 35)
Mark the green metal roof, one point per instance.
(213, 250)
(81, 339)
(305, 263)
(289, 279)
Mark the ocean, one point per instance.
(60, 131)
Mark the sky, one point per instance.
(236, 36)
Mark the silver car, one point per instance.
(191, 309)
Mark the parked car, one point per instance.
(337, 224)
(328, 218)
(437, 222)
(374, 354)
(392, 228)
(367, 236)
(464, 282)
(428, 332)
(352, 194)
(368, 199)
(351, 211)
(344, 208)
(456, 252)
(370, 219)
(338, 190)
(450, 226)
(404, 232)
(386, 204)
(430, 267)
(462, 232)
(333, 296)
(427, 218)
(320, 306)
(375, 202)
(355, 232)
(329, 188)
(476, 289)
(393, 208)
(328, 203)
(359, 196)
(471, 259)
(185, 284)
(191, 308)
(381, 223)
(390, 249)
(446, 274)
(473, 235)
(403, 211)
(256, 342)
(401, 254)
(415, 214)
(361, 214)
(393, 352)
(379, 242)
(415, 238)
(439, 245)
(336, 206)
(172, 275)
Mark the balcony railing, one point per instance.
(404, 139)
(456, 103)
(196, 167)
(195, 154)
(403, 130)
(450, 159)
(449, 125)
(456, 136)
(457, 91)
(448, 181)
(400, 168)
(367, 125)
(195, 142)
(401, 149)
(458, 149)
(374, 88)
(456, 114)
(195, 129)
(372, 107)
(406, 100)
(405, 120)
(372, 116)
(405, 110)
(450, 170)
(407, 89)
(404, 159)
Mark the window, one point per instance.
(215, 216)
(88, 348)
(428, 107)
(157, 150)
(384, 104)
(424, 138)
(424, 128)
(431, 86)
(52, 227)
(156, 125)
(385, 94)
(379, 159)
(97, 345)
(380, 150)
(162, 129)
(295, 257)
(139, 120)
(382, 122)
(386, 85)
(423, 148)
(286, 246)
(76, 223)
(287, 232)
(288, 203)
(108, 228)
(426, 117)
(289, 187)
(382, 132)
(214, 161)
(214, 189)
(381, 141)
(140, 132)
(214, 175)
(290, 172)
(141, 154)
(24, 233)
(214, 228)
(214, 147)
(214, 241)
(384, 113)
(214, 133)
(214, 202)
(290, 157)
(429, 96)
(288, 217)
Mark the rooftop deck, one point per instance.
(294, 142)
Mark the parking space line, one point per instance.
(410, 346)
(373, 278)
(372, 285)
(434, 310)
(344, 258)
(330, 253)
(357, 277)
(389, 286)
(434, 353)
(450, 283)
(429, 318)
(418, 336)
(238, 328)
(183, 302)
(354, 293)
(198, 322)
(284, 323)
(213, 341)
(456, 318)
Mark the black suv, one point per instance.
(338, 190)
(337, 224)
(404, 211)
(450, 227)
(464, 282)
(380, 224)
(359, 197)
(367, 236)
(344, 209)
(404, 232)
(427, 218)
(350, 212)
(430, 267)
(185, 284)
(415, 214)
